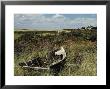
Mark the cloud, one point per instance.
(58, 16)
(85, 21)
(51, 21)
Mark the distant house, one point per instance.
(68, 30)
(24, 29)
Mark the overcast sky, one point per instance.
(54, 21)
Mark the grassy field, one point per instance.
(80, 46)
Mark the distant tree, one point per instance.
(94, 28)
(82, 27)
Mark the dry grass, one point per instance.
(81, 52)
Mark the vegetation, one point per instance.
(80, 46)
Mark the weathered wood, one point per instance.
(57, 67)
(59, 62)
(44, 68)
(37, 68)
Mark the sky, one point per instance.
(54, 21)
